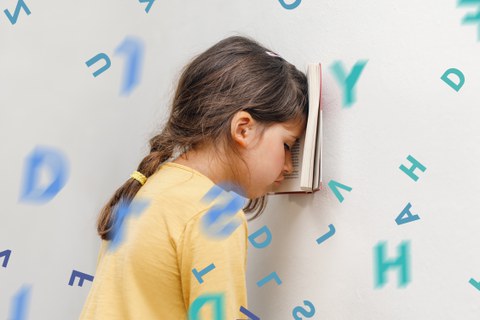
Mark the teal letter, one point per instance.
(406, 211)
(471, 18)
(217, 300)
(200, 274)
(381, 266)
(415, 164)
(291, 6)
(304, 312)
(475, 283)
(271, 276)
(95, 59)
(150, 3)
(334, 187)
(348, 82)
(20, 5)
(458, 73)
(327, 235)
(256, 234)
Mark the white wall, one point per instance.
(48, 97)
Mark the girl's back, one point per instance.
(149, 274)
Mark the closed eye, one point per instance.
(287, 146)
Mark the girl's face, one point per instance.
(270, 158)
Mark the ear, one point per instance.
(241, 128)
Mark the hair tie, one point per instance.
(139, 177)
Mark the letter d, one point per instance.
(458, 73)
(218, 301)
(43, 158)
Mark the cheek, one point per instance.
(279, 160)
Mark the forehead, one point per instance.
(293, 127)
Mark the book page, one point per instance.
(308, 158)
(319, 146)
(295, 162)
(292, 180)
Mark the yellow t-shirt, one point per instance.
(149, 275)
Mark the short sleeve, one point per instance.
(198, 251)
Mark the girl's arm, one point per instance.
(224, 285)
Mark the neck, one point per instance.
(203, 163)
(209, 166)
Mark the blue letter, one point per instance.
(200, 274)
(471, 18)
(291, 6)
(348, 82)
(49, 159)
(415, 164)
(133, 49)
(248, 313)
(304, 312)
(80, 275)
(256, 234)
(150, 3)
(218, 301)
(406, 211)
(216, 226)
(212, 194)
(334, 187)
(19, 304)
(122, 210)
(475, 284)
(95, 59)
(20, 5)
(381, 265)
(461, 78)
(327, 235)
(5, 254)
(271, 276)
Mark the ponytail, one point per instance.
(161, 149)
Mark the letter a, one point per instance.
(401, 219)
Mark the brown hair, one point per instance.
(235, 74)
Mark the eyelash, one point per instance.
(287, 146)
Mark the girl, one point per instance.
(236, 113)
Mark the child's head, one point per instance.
(243, 103)
(265, 152)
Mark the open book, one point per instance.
(306, 176)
